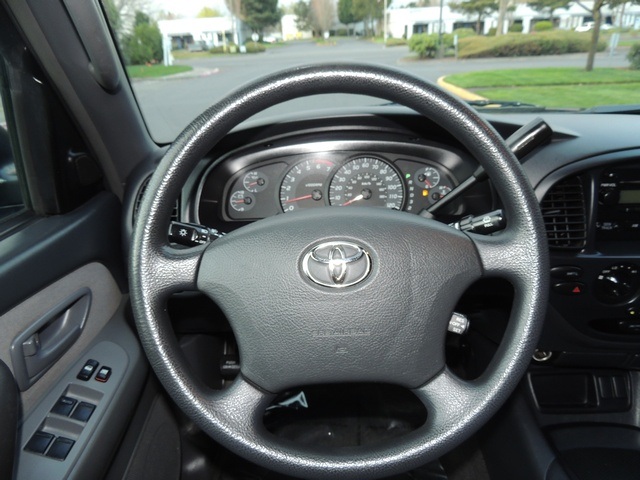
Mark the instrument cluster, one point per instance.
(256, 187)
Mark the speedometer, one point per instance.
(367, 181)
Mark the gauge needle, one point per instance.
(354, 199)
(304, 197)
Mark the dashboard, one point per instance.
(587, 180)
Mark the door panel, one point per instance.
(63, 304)
(105, 301)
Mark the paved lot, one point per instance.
(170, 104)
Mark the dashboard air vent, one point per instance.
(564, 214)
(174, 213)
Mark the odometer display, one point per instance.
(367, 181)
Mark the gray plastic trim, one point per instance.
(56, 331)
(95, 440)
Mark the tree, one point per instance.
(345, 12)
(208, 12)
(548, 6)
(368, 11)
(302, 11)
(597, 21)
(235, 7)
(144, 44)
(260, 14)
(121, 14)
(323, 13)
(478, 8)
(503, 5)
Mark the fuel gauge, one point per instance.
(255, 181)
(427, 177)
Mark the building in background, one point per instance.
(404, 22)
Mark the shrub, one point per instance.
(254, 47)
(634, 56)
(396, 42)
(222, 49)
(426, 45)
(518, 45)
(515, 28)
(464, 32)
(543, 26)
(144, 45)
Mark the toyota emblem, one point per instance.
(336, 264)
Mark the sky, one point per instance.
(190, 8)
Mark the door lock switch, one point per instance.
(87, 371)
(103, 374)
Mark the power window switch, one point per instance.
(60, 448)
(83, 412)
(103, 374)
(88, 370)
(63, 406)
(39, 442)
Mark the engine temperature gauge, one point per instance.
(242, 201)
(439, 192)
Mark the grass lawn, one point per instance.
(187, 55)
(555, 87)
(543, 76)
(579, 96)
(154, 71)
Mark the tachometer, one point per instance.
(304, 185)
(367, 181)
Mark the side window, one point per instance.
(11, 200)
(46, 167)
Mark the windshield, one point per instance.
(183, 56)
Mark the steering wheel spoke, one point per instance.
(173, 269)
(512, 257)
(449, 401)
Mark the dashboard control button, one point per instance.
(618, 283)
(83, 412)
(569, 288)
(87, 371)
(63, 406)
(103, 374)
(39, 442)
(566, 272)
(60, 448)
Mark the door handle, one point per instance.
(36, 349)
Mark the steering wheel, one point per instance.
(338, 294)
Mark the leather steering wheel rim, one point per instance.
(233, 416)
